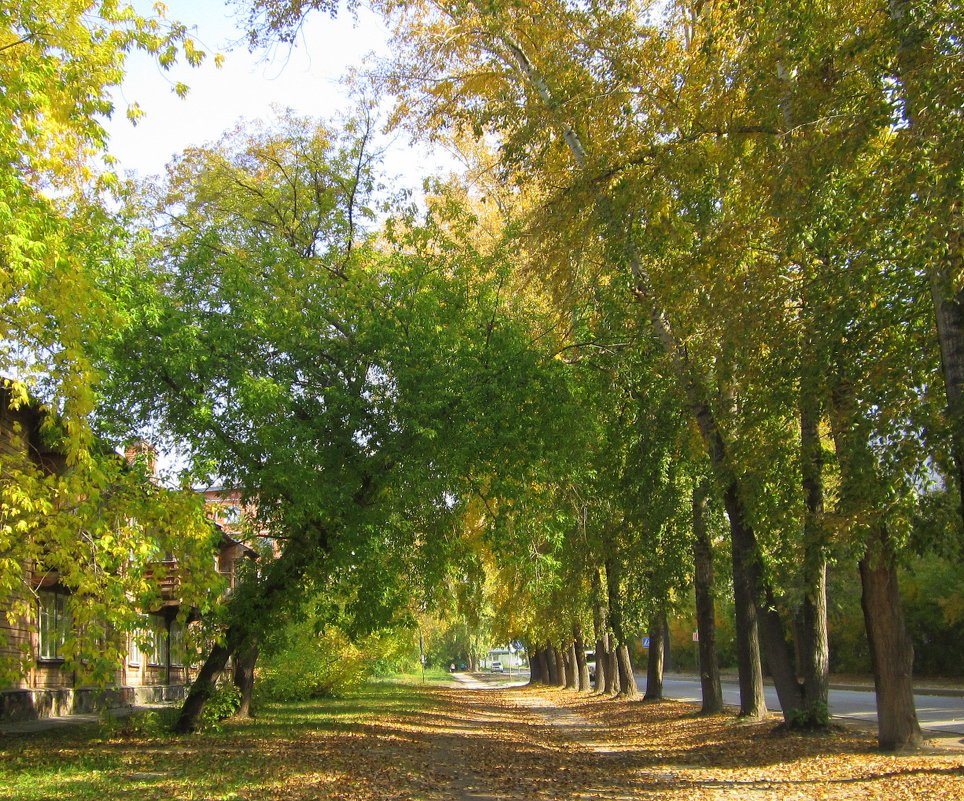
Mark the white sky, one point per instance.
(306, 78)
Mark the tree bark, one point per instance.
(553, 663)
(627, 677)
(612, 672)
(244, 663)
(600, 653)
(624, 665)
(599, 630)
(544, 661)
(891, 649)
(654, 666)
(813, 647)
(535, 668)
(558, 655)
(712, 690)
(813, 650)
(569, 662)
(203, 687)
(753, 705)
(582, 665)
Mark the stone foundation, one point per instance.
(17, 705)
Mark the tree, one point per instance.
(733, 163)
(59, 63)
(298, 356)
(94, 523)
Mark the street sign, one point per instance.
(645, 642)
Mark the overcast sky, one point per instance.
(305, 78)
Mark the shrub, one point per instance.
(223, 703)
(310, 665)
(142, 723)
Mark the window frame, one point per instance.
(55, 602)
(159, 652)
(176, 649)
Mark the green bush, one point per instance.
(222, 703)
(143, 723)
(313, 666)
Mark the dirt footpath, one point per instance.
(472, 742)
(544, 743)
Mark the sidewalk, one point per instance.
(921, 687)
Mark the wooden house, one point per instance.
(157, 664)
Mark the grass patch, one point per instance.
(432, 675)
(291, 750)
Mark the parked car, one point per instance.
(496, 667)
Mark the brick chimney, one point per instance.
(142, 450)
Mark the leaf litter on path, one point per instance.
(475, 744)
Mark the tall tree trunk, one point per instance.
(891, 649)
(657, 652)
(244, 663)
(813, 647)
(627, 681)
(582, 666)
(753, 705)
(600, 628)
(569, 661)
(712, 690)
(552, 659)
(627, 676)
(535, 668)
(612, 670)
(600, 654)
(545, 670)
(203, 687)
(252, 607)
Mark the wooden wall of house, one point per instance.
(16, 637)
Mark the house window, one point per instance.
(158, 642)
(177, 651)
(232, 514)
(54, 624)
(134, 654)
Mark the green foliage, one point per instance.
(86, 522)
(220, 705)
(816, 717)
(59, 64)
(141, 724)
(326, 664)
(932, 589)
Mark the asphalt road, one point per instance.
(938, 714)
